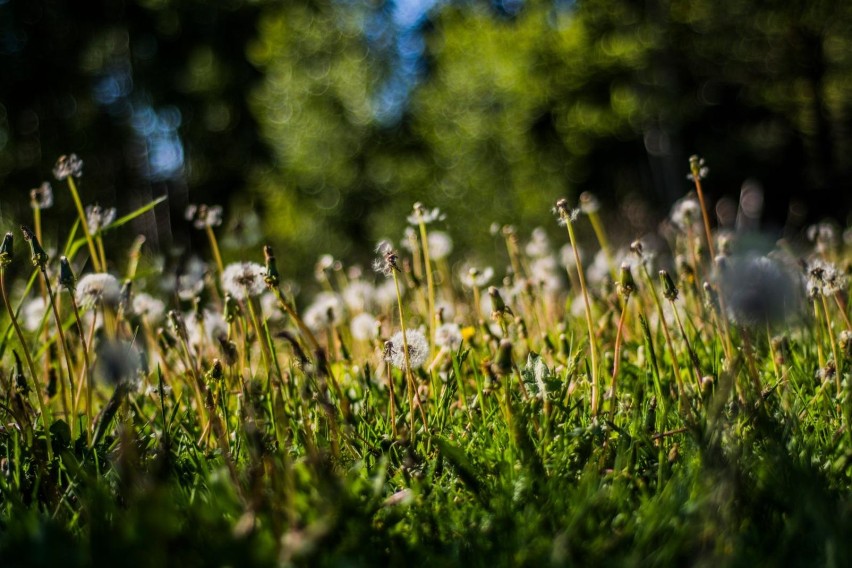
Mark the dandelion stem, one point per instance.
(84, 224)
(430, 284)
(593, 352)
(45, 414)
(412, 388)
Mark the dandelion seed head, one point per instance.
(69, 165)
(475, 278)
(440, 245)
(424, 215)
(698, 170)
(326, 310)
(385, 296)
(388, 259)
(589, 203)
(33, 313)
(359, 295)
(824, 236)
(204, 327)
(824, 278)
(149, 307)
(242, 279)
(95, 288)
(448, 335)
(203, 215)
(270, 308)
(418, 349)
(685, 213)
(539, 244)
(41, 197)
(364, 327)
(99, 218)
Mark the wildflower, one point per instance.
(204, 326)
(498, 306)
(418, 349)
(98, 218)
(38, 255)
(670, 291)
(364, 327)
(33, 313)
(589, 203)
(627, 285)
(440, 245)
(388, 260)
(325, 311)
(323, 265)
(566, 255)
(685, 213)
(564, 213)
(203, 215)
(545, 272)
(69, 165)
(421, 214)
(386, 294)
(95, 288)
(448, 335)
(824, 278)
(190, 282)
(824, 236)
(272, 278)
(270, 308)
(539, 244)
(243, 279)
(697, 169)
(149, 307)
(476, 278)
(757, 290)
(6, 250)
(66, 275)
(844, 341)
(41, 197)
(358, 295)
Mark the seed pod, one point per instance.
(669, 289)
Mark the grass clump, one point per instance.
(565, 417)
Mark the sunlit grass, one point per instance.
(697, 415)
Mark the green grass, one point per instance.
(261, 434)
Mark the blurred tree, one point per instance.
(151, 94)
(526, 101)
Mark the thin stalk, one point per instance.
(593, 351)
(84, 224)
(86, 371)
(619, 334)
(412, 387)
(430, 284)
(64, 345)
(45, 414)
(833, 342)
(214, 247)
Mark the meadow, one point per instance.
(683, 399)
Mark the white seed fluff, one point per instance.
(418, 349)
(241, 278)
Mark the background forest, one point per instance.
(331, 117)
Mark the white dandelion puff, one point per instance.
(364, 327)
(92, 289)
(418, 349)
(242, 279)
(448, 335)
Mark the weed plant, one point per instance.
(681, 401)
